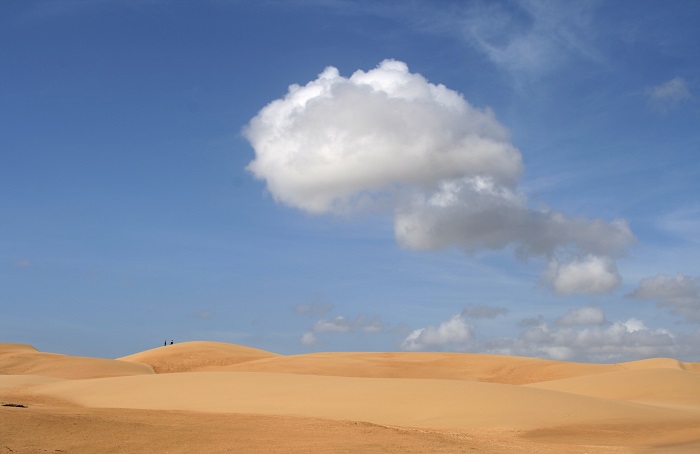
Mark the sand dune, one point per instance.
(452, 366)
(21, 359)
(663, 386)
(196, 356)
(419, 402)
(423, 403)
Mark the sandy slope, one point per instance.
(348, 402)
(663, 386)
(21, 359)
(424, 403)
(453, 366)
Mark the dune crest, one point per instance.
(9, 347)
(196, 356)
(654, 363)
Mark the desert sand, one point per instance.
(213, 397)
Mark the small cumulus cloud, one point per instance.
(680, 294)
(308, 339)
(338, 324)
(452, 334)
(668, 95)
(590, 274)
(388, 139)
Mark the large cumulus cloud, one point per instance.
(446, 171)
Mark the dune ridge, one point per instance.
(196, 356)
(488, 403)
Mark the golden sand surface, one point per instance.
(215, 397)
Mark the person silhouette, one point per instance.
(165, 343)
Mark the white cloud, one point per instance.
(328, 144)
(389, 139)
(681, 294)
(588, 315)
(590, 274)
(308, 339)
(451, 334)
(582, 334)
(338, 324)
(610, 342)
(341, 325)
(669, 94)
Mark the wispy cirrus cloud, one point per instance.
(314, 309)
(669, 95)
(531, 37)
(341, 325)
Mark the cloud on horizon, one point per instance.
(582, 334)
(451, 334)
(343, 325)
(388, 140)
(600, 342)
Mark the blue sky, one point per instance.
(502, 177)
